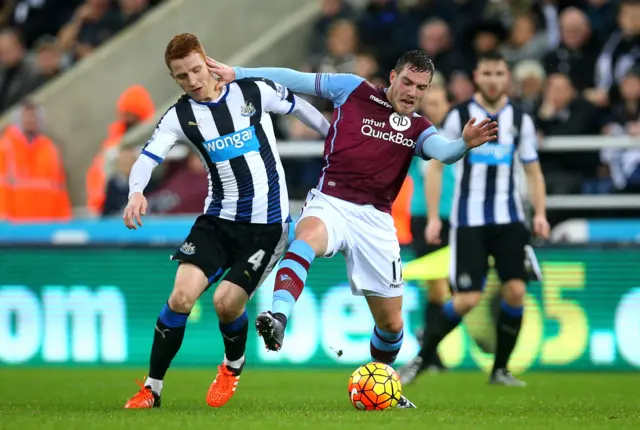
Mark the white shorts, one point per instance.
(367, 238)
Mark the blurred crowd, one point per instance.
(576, 70)
(39, 40)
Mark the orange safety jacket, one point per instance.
(32, 179)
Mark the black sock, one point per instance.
(446, 320)
(508, 328)
(234, 336)
(433, 309)
(167, 339)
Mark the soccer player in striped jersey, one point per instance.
(373, 139)
(487, 217)
(244, 228)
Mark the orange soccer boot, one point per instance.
(224, 386)
(143, 399)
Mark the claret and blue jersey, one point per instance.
(369, 147)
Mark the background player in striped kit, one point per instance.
(245, 225)
(434, 106)
(374, 137)
(487, 217)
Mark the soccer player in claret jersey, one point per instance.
(373, 139)
(244, 229)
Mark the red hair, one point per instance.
(180, 46)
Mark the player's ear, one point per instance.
(392, 76)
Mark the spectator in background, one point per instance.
(424, 10)
(438, 80)
(507, 11)
(366, 66)
(620, 53)
(481, 37)
(383, 29)
(134, 106)
(36, 18)
(32, 178)
(623, 165)
(342, 46)
(461, 87)
(18, 75)
(117, 192)
(434, 38)
(465, 13)
(129, 12)
(565, 112)
(578, 51)
(50, 61)
(183, 191)
(602, 16)
(528, 85)
(331, 11)
(524, 42)
(92, 24)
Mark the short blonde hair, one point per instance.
(528, 69)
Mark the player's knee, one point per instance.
(313, 231)
(514, 292)
(180, 300)
(465, 302)
(393, 325)
(227, 304)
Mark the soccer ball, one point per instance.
(374, 386)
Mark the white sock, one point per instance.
(234, 363)
(155, 384)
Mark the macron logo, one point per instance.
(380, 102)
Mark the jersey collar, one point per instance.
(220, 99)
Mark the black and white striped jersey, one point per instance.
(486, 189)
(235, 139)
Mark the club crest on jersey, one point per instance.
(281, 91)
(399, 122)
(188, 248)
(247, 109)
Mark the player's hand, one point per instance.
(136, 208)
(225, 74)
(432, 232)
(541, 227)
(478, 134)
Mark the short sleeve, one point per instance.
(164, 137)
(528, 148)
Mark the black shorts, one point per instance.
(471, 247)
(419, 243)
(249, 251)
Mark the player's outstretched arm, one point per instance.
(335, 87)
(432, 145)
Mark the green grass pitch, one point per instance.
(52, 398)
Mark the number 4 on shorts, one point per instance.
(256, 259)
